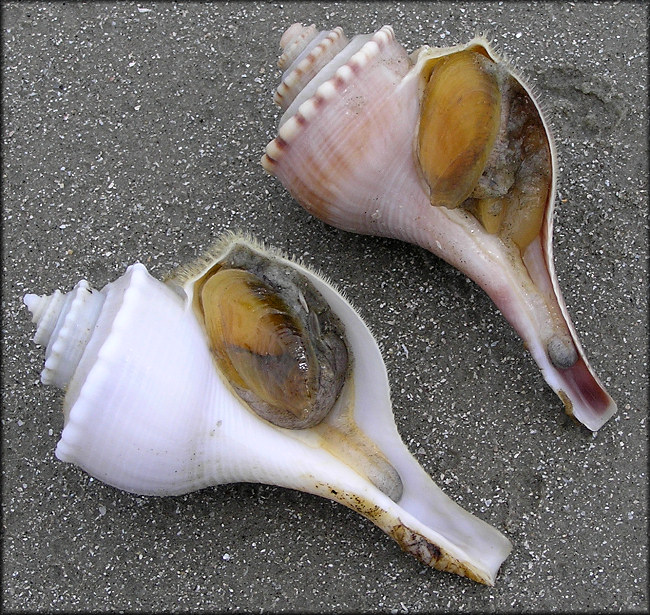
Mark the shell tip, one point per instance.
(45, 311)
(33, 302)
(291, 34)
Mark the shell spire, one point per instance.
(64, 324)
(293, 41)
(306, 62)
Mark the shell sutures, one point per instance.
(445, 148)
(245, 366)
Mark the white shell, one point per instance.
(345, 150)
(147, 411)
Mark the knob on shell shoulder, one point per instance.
(245, 366)
(448, 149)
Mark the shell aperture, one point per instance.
(149, 410)
(358, 148)
(497, 164)
(285, 356)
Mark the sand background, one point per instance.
(133, 132)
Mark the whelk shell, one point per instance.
(245, 366)
(447, 149)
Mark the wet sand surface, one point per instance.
(133, 132)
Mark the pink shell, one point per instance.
(345, 150)
(320, 50)
(293, 41)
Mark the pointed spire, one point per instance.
(64, 323)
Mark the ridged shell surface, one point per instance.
(347, 152)
(148, 410)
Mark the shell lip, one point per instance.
(421, 519)
(581, 391)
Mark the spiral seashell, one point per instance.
(245, 366)
(306, 53)
(448, 149)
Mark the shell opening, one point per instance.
(282, 349)
(274, 338)
(483, 146)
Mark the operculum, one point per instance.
(482, 145)
(273, 338)
(281, 347)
